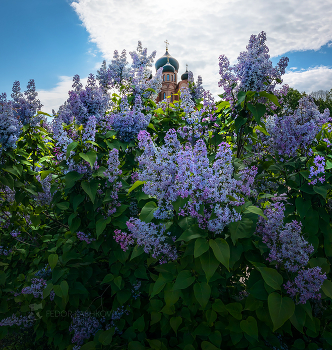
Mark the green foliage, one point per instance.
(221, 292)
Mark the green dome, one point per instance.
(168, 68)
(184, 76)
(163, 60)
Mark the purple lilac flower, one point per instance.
(135, 291)
(36, 288)
(151, 236)
(172, 170)
(289, 249)
(84, 325)
(7, 194)
(10, 126)
(307, 284)
(296, 132)
(317, 170)
(129, 122)
(85, 237)
(26, 106)
(83, 103)
(4, 251)
(15, 233)
(253, 70)
(286, 243)
(117, 315)
(44, 273)
(124, 239)
(45, 197)
(22, 321)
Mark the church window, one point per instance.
(172, 77)
(164, 77)
(167, 77)
(164, 95)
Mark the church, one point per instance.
(171, 82)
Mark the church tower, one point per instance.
(171, 82)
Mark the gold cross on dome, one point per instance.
(186, 67)
(167, 43)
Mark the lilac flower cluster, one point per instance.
(36, 288)
(196, 90)
(129, 122)
(4, 251)
(44, 273)
(26, 106)
(116, 73)
(7, 194)
(45, 197)
(307, 284)
(22, 321)
(253, 72)
(292, 133)
(317, 170)
(152, 237)
(124, 239)
(136, 78)
(117, 315)
(85, 237)
(171, 171)
(112, 173)
(10, 126)
(135, 291)
(84, 325)
(15, 233)
(83, 103)
(289, 249)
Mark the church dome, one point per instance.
(162, 61)
(168, 68)
(184, 76)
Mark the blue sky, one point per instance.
(52, 40)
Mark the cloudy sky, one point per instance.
(52, 40)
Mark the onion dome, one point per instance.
(162, 61)
(168, 67)
(184, 76)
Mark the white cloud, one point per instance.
(200, 31)
(313, 79)
(54, 98)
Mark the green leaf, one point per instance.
(90, 189)
(249, 326)
(202, 292)
(71, 178)
(78, 199)
(271, 277)
(221, 251)
(327, 288)
(71, 147)
(257, 111)
(75, 224)
(201, 246)
(47, 290)
(106, 337)
(239, 121)
(64, 288)
(302, 206)
(281, 309)
(328, 165)
(147, 211)
(52, 260)
(88, 346)
(208, 346)
(135, 345)
(118, 281)
(108, 278)
(137, 251)
(262, 129)
(90, 157)
(191, 233)
(255, 210)
(209, 264)
(45, 173)
(175, 323)
(271, 97)
(180, 203)
(136, 184)
(63, 205)
(183, 280)
(321, 190)
(235, 309)
(101, 225)
(3, 277)
(240, 229)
